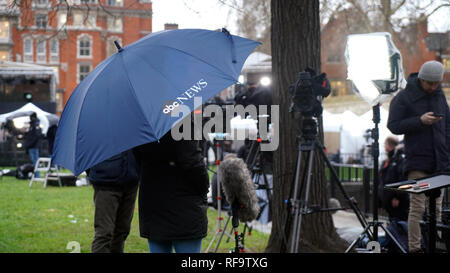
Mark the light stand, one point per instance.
(376, 180)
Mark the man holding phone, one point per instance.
(421, 113)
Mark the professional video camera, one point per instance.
(307, 93)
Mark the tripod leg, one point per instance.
(268, 194)
(358, 213)
(294, 200)
(358, 239)
(304, 205)
(393, 239)
(222, 233)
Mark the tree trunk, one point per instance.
(296, 45)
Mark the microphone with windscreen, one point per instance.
(239, 189)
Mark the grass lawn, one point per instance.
(46, 220)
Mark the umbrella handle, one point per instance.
(118, 46)
(233, 49)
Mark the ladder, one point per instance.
(43, 164)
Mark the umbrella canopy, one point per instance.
(127, 99)
(22, 116)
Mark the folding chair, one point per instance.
(43, 164)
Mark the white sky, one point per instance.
(210, 14)
(206, 14)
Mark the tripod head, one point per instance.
(309, 129)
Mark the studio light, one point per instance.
(241, 79)
(21, 122)
(374, 65)
(265, 81)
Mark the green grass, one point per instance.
(38, 220)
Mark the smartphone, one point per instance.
(437, 115)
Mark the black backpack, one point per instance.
(117, 170)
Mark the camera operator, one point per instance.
(256, 95)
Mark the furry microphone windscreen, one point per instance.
(238, 187)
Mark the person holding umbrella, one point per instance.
(172, 195)
(131, 101)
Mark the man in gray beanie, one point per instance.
(421, 113)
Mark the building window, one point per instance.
(41, 20)
(4, 30)
(41, 3)
(54, 50)
(80, 2)
(338, 87)
(83, 71)
(114, 24)
(4, 56)
(84, 46)
(28, 50)
(78, 19)
(446, 63)
(115, 3)
(85, 20)
(62, 20)
(111, 47)
(41, 51)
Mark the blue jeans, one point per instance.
(34, 156)
(180, 246)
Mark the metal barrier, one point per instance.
(357, 180)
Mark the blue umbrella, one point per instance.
(127, 99)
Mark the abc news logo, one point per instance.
(169, 106)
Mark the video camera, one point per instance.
(307, 93)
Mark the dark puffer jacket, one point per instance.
(33, 136)
(426, 147)
(173, 187)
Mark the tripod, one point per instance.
(376, 180)
(308, 144)
(256, 165)
(218, 141)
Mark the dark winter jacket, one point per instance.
(118, 173)
(173, 187)
(33, 136)
(426, 147)
(392, 172)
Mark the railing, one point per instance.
(357, 180)
(10, 155)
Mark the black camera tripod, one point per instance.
(308, 144)
(376, 180)
(256, 164)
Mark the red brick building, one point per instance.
(74, 36)
(415, 44)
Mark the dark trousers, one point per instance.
(112, 221)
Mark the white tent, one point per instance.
(46, 119)
(352, 129)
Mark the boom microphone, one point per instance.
(238, 187)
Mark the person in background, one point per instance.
(33, 140)
(172, 195)
(115, 183)
(396, 204)
(421, 113)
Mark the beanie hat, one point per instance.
(431, 71)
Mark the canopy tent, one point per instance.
(353, 128)
(21, 117)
